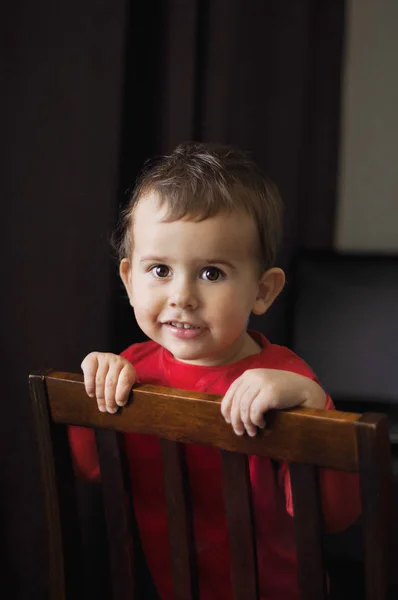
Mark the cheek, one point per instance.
(232, 305)
(147, 303)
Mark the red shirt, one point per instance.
(271, 492)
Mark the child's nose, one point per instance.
(183, 296)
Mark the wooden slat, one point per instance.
(162, 412)
(179, 519)
(308, 531)
(59, 494)
(117, 510)
(377, 495)
(239, 511)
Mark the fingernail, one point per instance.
(102, 408)
(227, 420)
(238, 431)
(112, 409)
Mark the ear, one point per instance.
(125, 274)
(269, 287)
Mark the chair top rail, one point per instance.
(296, 435)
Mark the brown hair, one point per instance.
(200, 180)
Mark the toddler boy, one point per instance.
(197, 253)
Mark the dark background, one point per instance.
(89, 90)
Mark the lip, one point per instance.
(181, 333)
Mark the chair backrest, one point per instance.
(306, 439)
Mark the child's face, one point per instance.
(194, 284)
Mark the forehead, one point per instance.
(227, 234)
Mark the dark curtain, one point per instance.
(89, 91)
(264, 76)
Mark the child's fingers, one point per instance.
(246, 404)
(109, 378)
(111, 382)
(100, 379)
(226, 406)
(89, 367)
(124, 384)
(235, 414)
(257, 411)
(226, 402)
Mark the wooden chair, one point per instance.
(306, 439)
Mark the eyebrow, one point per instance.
(158, 259)
(165, 260)
(220, 261)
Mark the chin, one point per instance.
(187, 355)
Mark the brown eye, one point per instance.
(212, 274)
(161, 271)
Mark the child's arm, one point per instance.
(109, 378)
(258, 390)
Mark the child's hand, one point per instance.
(258, 390)
(109, 378)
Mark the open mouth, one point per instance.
(181, 325)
